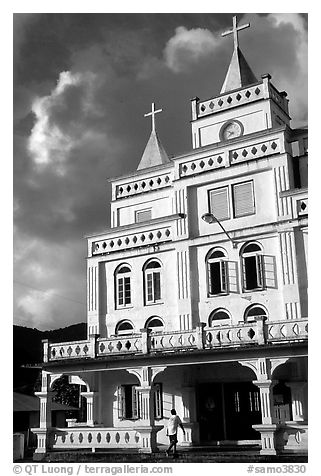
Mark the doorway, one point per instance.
(227, 411)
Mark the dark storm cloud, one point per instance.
(83, 83)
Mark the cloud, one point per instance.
(51, 139)
(294, 78)
(187, 47)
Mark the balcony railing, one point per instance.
(258, 332)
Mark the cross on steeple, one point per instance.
(235, 31)
(152, 113)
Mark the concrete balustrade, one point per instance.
(258, 332)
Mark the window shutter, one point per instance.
(121, 401)
(157, 286)
(259, 267)
(233, 278)
(269, 268)
(219, 205)
(244, 282)
(149, 286)
(223, 271)
(134, 402)
(243, 199)
(143, 215)
(158, 400)
(120, 291)
(127, 290)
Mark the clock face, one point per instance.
(231, 129)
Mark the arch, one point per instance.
(154, 323)
(218, 315)
(217, 252)
(124, 327)
(217, 272)
(152, 263)
(253, 311)
(251, 247)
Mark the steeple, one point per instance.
(154, 153)
(239, 73)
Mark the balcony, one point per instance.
(259, 332)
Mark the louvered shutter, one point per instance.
(233, 279)
(269, 269)
(134, 402)
(243, 198)
(259, 267)
(158, 401)
(157, 286)
(121, 401)
(143, 215)
(219, 204)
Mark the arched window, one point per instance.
(153, 282)
(217, 273)
(124, 327)
(252, 266)
(218, 315)
(253, 311)
(154, 323)
(122, 286)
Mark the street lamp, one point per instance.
(210, 218)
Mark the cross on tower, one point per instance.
(235, 31)
(152, 113)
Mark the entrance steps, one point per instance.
(185, 455)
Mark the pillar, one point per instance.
(45, 397)
(268, 428)
(297, 398)
(91, 400)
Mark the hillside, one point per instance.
(27, 349)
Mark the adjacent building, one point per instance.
(197, 294)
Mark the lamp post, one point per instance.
(210, 218)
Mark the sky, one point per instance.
(82, 84)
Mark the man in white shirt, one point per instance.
(173, 423)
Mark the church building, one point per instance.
(197, 293)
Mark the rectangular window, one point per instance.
(253, 272)
(243, 199)
(143, 215)
(124, 293)
(217, 275)
(153, 286)
(219, 203)
(127, 396)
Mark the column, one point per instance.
(297, 398)
(191, 426)
(91, 400)
(45, 396)
(268, 426)
(147, 420)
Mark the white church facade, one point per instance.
(197, 293)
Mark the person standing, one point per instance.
(173, 423)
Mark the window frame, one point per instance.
(123, 393)
(151, 276)
(120, 279)
(259, 267)
(222, 261)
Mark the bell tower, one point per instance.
(244, 105)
